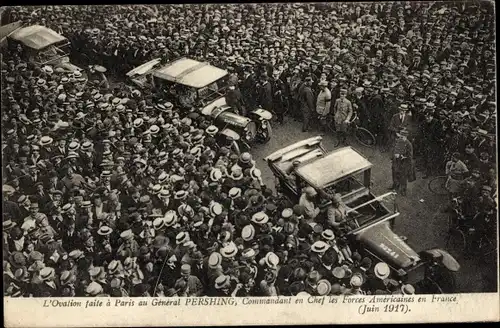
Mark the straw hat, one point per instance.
(229, 251)
(214, 260)
(382, 270)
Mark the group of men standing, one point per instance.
(310, 99)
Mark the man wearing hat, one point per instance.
(306, 100)
(400, 120)
(431, 135)
(280, 96)
(49, 286)
(194, 285)
(234, 99)
(265, 93)
(248, 88)
(323, 101)
(307, 201)
(342, 112)
(402, 163)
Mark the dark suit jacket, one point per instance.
(44, 290)
(403, 164)
(396, 124)
(28, 183)
(12, 210)
(266, 96)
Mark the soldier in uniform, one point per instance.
(306, 98)
(279, 96)
(402, 162)
(323, 102)
(342, 112)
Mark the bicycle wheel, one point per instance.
(333, 133)
(364, 137)
(437, 185)
(456, 241)
(487, 250)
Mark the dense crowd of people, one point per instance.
(110, 190)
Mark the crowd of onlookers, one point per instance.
(109, 191)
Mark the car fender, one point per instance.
(263, 114)
(230, 133)
(446, 259)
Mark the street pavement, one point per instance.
(422, 219)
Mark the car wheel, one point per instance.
(250, 132)
(267, 132)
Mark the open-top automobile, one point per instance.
(43, 46)
(347, 172)
(200, 85)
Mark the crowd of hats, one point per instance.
(102, 210)
(106, 189)
(437, 57)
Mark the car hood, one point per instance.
(233, 119)
(383, 242)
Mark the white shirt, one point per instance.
(19, 244)
(98, 210)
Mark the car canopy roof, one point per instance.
(333, 166)
(7, 30)
(144, 68)
(190, 72)
(37, 37)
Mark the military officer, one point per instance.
(402, 162)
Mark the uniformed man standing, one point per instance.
(342, 112)
(306, 98)
(323, 102)
(279, 96)
(402, 162)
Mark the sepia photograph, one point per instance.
(241, 155)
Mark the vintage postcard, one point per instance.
(242, 164)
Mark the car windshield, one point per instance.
(347, 185)
(48, 54)
(212, 91)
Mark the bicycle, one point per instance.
(362, 135)
(466, 235)
(437, 185)
(456, 239)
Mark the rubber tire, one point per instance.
(331, 129)
(451, 285)
(437, 185)
(269, 133)
(254, 135)
(456, 241)
(362, 135)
